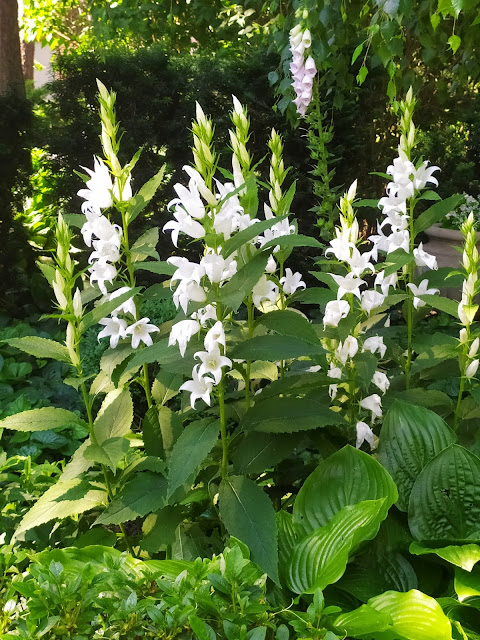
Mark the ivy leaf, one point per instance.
(248, 514)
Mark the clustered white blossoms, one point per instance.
(302, 68)
(215, 215)
(105, 239)
(344, 248)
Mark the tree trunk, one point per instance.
(28, 55)
(11, 75)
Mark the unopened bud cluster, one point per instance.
(467, 308)
(278, 173)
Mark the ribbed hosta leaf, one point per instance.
(347, 477)
(320, 558)
(415, 616)
(464, 556)
(445, 499)
(411, 436)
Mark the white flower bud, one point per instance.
(463, 336)
(472, 369)
(474, 348)
(77, 303)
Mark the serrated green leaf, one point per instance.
(238, 288)
(275, 347)
(248, 515)
(320, 558)
(445, 499)
(347, 477)
(436, 213)
(138, 203)
(145, 493)
(357, 52)
(166, 386)
(145, 246)
(64, 499)
(109, 453)
(287, 415)
(259, 451)
(289, 323)
(242, 237)
(103, 310)
(192, 447)
(154, 266)
(41, 420)
(40, 347)
(411, 436)
(454, 41)
(293, 240)
(115, 416)
(361, 75)
(442, 304)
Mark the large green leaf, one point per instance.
(64, 499)
(244, 236)
(289, 323)
(464, 556)
(467, 584)
(320, 558)
(288, 536)
(436, 212)
(363, 621)
(445, 499)
(347, 477)
(41, 420)
(154, 266)
(115, 416)
(189, 451)
(145, 493)
(275, 347)
(138, 203)
(376, 571)
(259, 451)
(104, 309)
(109, 453)
(294, 240)
(411, 436)
(287, 415)
(248, 514)
(234, 292)
(145, 246)
(40, 347)
(415, 616)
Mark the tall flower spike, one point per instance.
(278, 172)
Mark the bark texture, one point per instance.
(11, 74)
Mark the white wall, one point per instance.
(43, 56)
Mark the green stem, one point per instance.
(146, 386)
(352, 393)
(249, 362)
(463, 369)
(409, 301)
(223, 429)
(110, 497)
